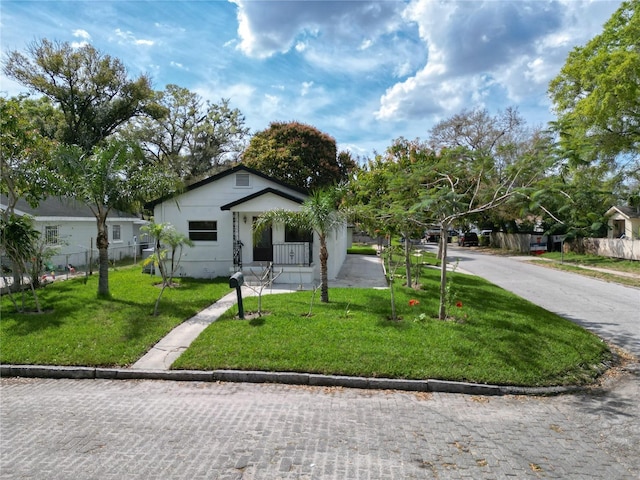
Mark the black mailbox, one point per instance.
(236, 280)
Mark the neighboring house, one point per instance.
(71, 228)
(217, 214)
(624, 222)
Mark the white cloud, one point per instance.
(79, 33)
(348, 36)
(306, 86)
(506, 51)
(178, 65)
(129, 37)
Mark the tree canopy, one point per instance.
(93, 90)
(192, 138)
(299, 155)
(26, 146)
(597, 93)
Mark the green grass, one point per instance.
(362, 250)
(77, 328)
(497, 338)
(618, 269)
(629, 266)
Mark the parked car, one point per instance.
(468, 239)
(434, 235)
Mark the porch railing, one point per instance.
(293, 253)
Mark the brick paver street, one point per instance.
(100, 429)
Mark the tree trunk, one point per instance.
(407, 259)
(102, 242)
(324, 276)
(442, 313)
(390, 273)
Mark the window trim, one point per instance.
(113, 233)
(243, 175)
(52, 234)
(202, 231)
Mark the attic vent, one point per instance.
(242, 179)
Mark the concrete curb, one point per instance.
(288, 378)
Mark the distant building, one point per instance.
(624, 222)
(71, 228)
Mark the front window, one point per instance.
(206, 230)
(115, 233)
(51, 234)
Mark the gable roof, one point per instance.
(628, 212)
(61, 208)
(265, 191)
(220, 175)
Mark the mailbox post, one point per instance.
(236, 281)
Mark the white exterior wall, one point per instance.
(337, 244)
(631, 226)
(215, 258)
(75, 236)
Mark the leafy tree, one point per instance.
(113, 176)
(299, 155)
(473, 163)
(191, 138)
(92, 89)
(574, 201)
(319, 213)
(96, 98)
(483, 163)
(597, 100)
(167, 241)
(25, 149)
(385, 189)
(597, 94)
(20, 244)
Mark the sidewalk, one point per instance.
(585, 267)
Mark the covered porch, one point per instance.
(282, 252)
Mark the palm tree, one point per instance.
(114, 176)
(167, 240)
(319, 213)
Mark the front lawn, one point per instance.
(77, 328)
(496, 338)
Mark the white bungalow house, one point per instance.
(624, 222)
(70, 228)
(218, 213)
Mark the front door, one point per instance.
(262, 246)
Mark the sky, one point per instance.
(364, 72)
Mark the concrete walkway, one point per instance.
(364, 271)
(168, 349)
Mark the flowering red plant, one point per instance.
(413, 302)
(459, 304)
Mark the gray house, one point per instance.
(70, 227)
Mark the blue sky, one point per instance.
(363, 72)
